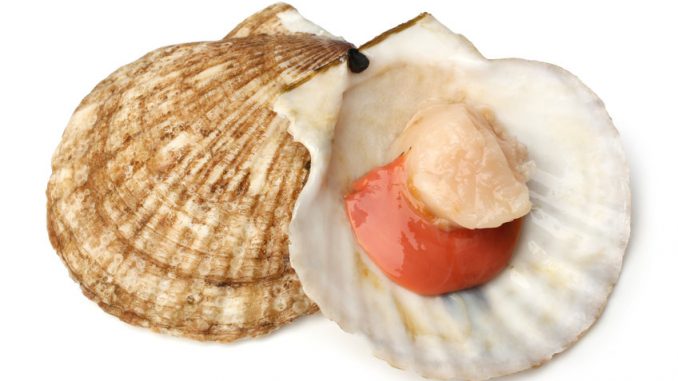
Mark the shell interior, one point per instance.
(573, 241)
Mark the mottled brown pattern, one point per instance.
(174, 184)
(264, 22)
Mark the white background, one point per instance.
(53, 53)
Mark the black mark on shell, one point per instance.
(357, 61)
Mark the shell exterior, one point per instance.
(174, 182)
(279, 18)
(573, 241)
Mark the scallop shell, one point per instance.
(173, 184)
(573, 241)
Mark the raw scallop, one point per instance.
(573, 241)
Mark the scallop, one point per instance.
(173, 185)
(573, 241)
(466, 173)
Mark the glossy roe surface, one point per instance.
(397, 233)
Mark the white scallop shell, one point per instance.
(573, 242)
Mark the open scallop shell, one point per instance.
(174, 182)
(573, 241)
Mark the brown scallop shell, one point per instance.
(174, 182)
